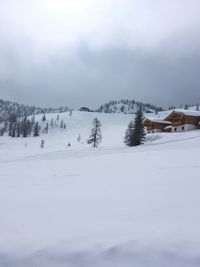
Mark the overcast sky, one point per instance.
(87, 52)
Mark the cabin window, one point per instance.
(183, 128)
(175, 129)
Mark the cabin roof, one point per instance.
(158, 120)
(191, 113)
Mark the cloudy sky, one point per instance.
(87, 52)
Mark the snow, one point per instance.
(104, 207)
(158, 120)
(188, 112)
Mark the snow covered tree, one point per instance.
(95, 137)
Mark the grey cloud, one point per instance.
(165, 76)
(163, 73)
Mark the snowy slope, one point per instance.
(126, 106)
(105, 207)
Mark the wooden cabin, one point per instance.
(184, 120)
(155, 125)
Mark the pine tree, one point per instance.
(52, 123)
(46, 129)
(42, 143)
(36, 130)
(43, 117)
(128, 139)
(135, 134)
(95, 137)
(24, 127)
(62, 124)
(79, 138)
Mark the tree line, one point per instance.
(26, 126)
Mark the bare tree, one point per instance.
(95, 137)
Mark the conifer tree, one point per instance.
(36, 130)
(43, 117)
(42, 143)
(52, 123)
(135, 134)
(128, 139)
(24, 127)
(46, 129)
(79, 138)
(95, 137)
(62, 124)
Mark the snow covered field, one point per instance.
(104, 207)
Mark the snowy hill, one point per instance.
(127, 107)
(105, 207)
(8, 108)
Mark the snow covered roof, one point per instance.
(168, 127)
(158, 120)
(188, 112)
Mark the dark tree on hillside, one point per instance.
(24, 127)
(43, 117)
(18, 128)
(42, 143)
(79, 138)
(46, 129)
(52, 123)
(62, 124)
(135, 134)
(36, 130)
(95, 137)
(128, 139)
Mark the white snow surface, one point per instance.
(105, 207)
